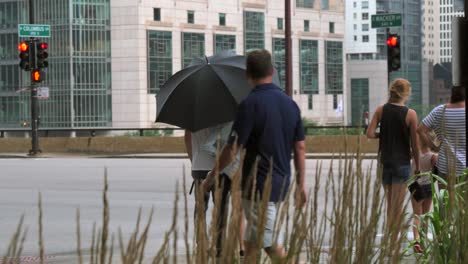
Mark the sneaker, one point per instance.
(417, 248)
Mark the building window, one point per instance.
(331, 27)
(355, 38)
(335, 101)
(222, 19)
(157, 14)
(159, 59)
(191, 17)
(333, 67)
(365, 4)
(365, 38)
(306, 25)
(359, 100)
(365, 16)
(279, 23)
(279, 59)
(355, 26)
(308, 66)
(325, 4)
(365, 27)
(354, 4)
(355, 15)
(305, 3)
(193, 45)
(254, 31)
(224, 42)
(310, 102)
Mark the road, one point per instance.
(71, 183)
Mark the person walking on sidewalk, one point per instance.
(269, 126)
(397, 139)
(449, 124)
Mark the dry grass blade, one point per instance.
(186, 217)
(105, 220)
(41, 238)
(78, 237)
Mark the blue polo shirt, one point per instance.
(268, 124)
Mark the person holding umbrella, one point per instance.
(203, 99)
(269, 126)
(201, 148)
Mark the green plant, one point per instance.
(447, 223)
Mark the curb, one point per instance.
(160, 156)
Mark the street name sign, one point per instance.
(386, 20)
(32, 30)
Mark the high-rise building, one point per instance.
(431, 30)
(79, 73)
(447, 10)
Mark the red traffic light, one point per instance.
(392, 41)
(23, 47)
(43, 46)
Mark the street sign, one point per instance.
(386, 20)
(32, 30)
(42, 92)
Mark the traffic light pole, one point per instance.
(34, 102)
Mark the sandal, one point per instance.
(417, 248)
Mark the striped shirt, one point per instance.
(451, 135)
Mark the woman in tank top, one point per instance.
(397, 140)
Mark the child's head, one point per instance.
(429, 140)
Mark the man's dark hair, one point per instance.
(458, 94)
(259, 64)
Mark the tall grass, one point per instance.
(339, 224)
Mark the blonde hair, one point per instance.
(399, 89)
(430, 141)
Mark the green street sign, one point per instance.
(32, 30)
(386, 20)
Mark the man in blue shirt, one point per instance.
(269, 126)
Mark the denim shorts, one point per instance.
(251, 210)
(395, 174)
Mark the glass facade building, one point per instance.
(159, 59)
(333, 67)
(79, 72)
(193, 45)
(254, 31)
(279, 59)
(224, 42)
(308, 66)
(359, 100)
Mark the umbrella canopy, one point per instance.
(204, 94)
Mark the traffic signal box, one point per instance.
(33, 57)
(393, 52)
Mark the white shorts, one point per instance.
(251, 213)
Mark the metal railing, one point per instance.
(92, 131)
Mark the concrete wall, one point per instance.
(127, 145)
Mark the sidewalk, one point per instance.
(154, 156)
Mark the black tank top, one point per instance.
(394, 139)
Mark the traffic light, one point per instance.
(24, 64)
(42, 55)
(37, 76)
(393, 52)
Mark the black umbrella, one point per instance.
(204, 94)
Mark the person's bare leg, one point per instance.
(417, 210)
(398, 196)
(276, 253)
(388, 197)
(242, 233)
